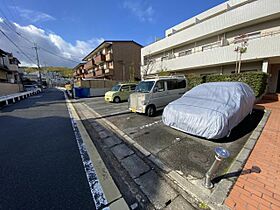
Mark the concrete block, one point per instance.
(250, 144)
(103, 134)
(255, 135)
(111, 141)
(243, 155)
(119, 205)
(159, 164)
(134, 166)
(156, 189)
(221, 192)
(121, 151)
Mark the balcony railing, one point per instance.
(99, 72)
(89, 65)
(214, 45)
(108, 72)
(109, 56)
(111, 65)
(99, 59)
(259, 46)
(89, 75)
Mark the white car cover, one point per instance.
(210, 110)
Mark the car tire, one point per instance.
(150, 111)
(117, 100)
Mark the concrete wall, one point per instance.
(7, 88)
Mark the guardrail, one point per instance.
(18, 96)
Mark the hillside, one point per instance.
(64, 71)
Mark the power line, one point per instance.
(17, 46)
(9, 10)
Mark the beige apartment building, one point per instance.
(209, 43)
(113, 60)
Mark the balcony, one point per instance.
(89, 75)
(111, 65)
(13, 67)
(109, 72)
(99, 59)
(109, 56)
(99, 73)
(89, 65)
(256, 12)
(259, 48)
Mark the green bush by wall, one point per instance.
(256, 80)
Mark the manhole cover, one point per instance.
(198, 157)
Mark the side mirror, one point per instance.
(155, 89)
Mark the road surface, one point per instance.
(40, 163)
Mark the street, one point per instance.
(40, 164)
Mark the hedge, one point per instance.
(256, 80)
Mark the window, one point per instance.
(176, 84)
(160, 86)
(145, 86)
(187, 52)
(125, 88)
(132, 87)
(182, 83)
(172, 84)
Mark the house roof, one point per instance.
(108, 42)
(2, 52)
(80, 64)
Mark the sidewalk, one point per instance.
(261, 190)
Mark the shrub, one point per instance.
(256, 80)
(194, 80)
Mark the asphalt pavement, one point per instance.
(40, 164)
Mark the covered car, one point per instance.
(210, 110)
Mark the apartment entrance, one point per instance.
(274, 79)
(278, 83)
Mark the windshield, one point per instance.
(145, 86)
(116, 88)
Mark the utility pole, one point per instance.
(38, 63)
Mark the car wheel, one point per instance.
(151, 110)
(117, 100)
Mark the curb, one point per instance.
(113, 197)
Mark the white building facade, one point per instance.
(207, 43)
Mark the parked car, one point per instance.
(120, 92)
(32, 87)
(210, 110)
(154, 94)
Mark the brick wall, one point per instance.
(7, 88)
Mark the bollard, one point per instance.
(221, 154)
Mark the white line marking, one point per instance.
(94, 184)
(150, 124)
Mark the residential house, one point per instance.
(9, 67)
(113, 60)
(210, 42)
(10, 81)
(3, 67)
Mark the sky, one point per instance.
(66, 31)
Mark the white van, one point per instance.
(154, 94)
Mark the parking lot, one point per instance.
(189, 155)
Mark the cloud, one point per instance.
(32, 16)
(45, 40)
(140, 9)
